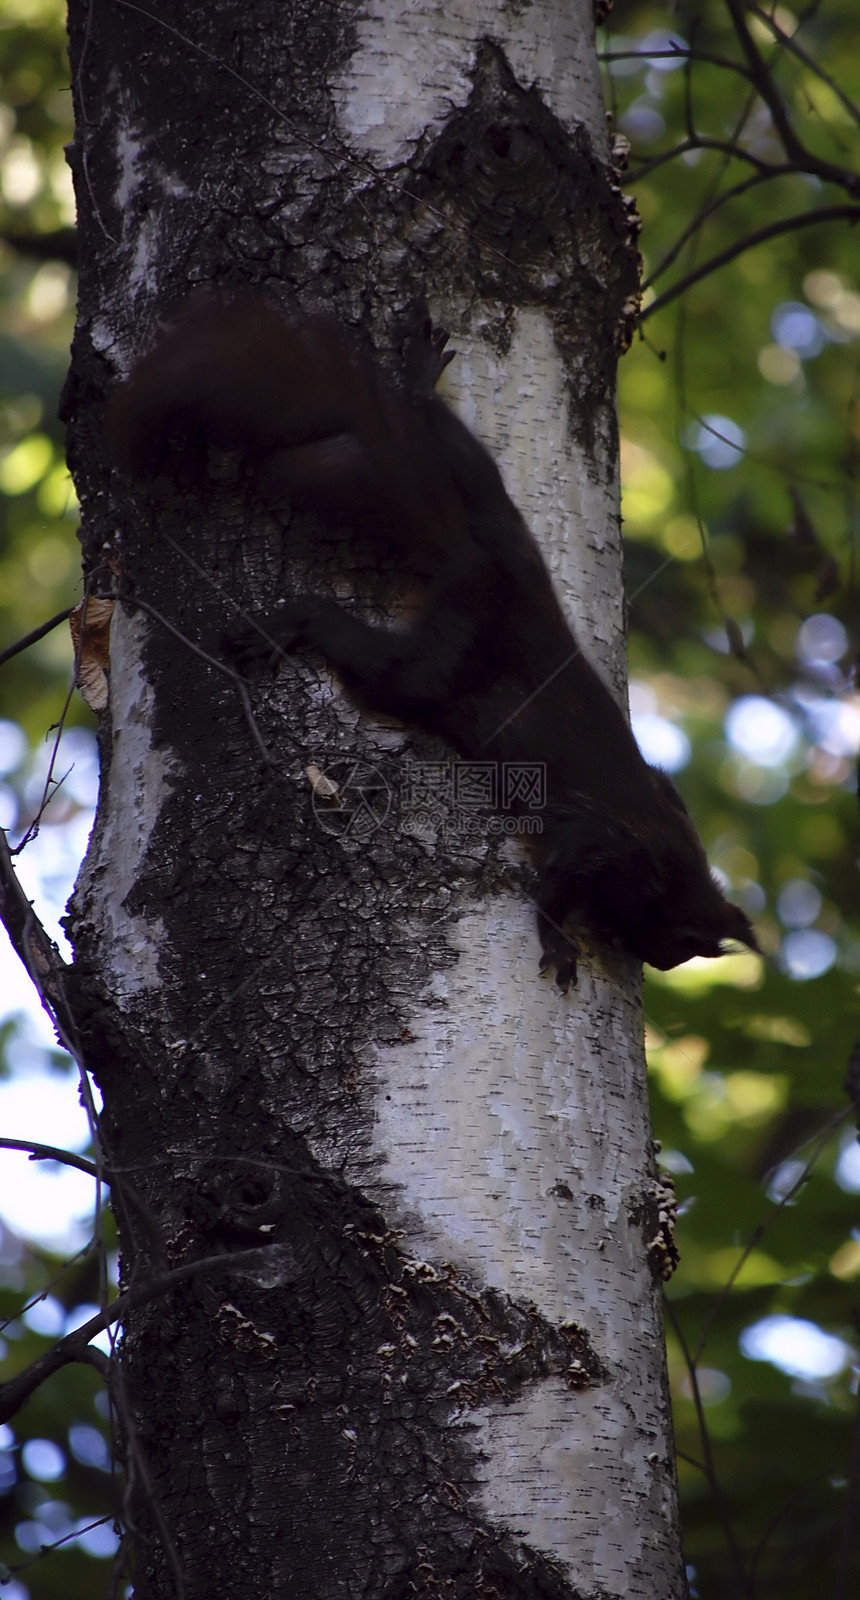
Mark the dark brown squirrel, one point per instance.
(491, 664)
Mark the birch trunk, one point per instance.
(442, 1374)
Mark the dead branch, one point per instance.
(34, 637)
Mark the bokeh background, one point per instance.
(740, 422)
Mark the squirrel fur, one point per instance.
(491, 664)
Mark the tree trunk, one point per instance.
(435, 1365)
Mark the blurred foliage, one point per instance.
(739, 462)
(55, 1460)
(55, 1467)
(39, 556)
(725, 563)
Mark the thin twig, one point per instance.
(31, 943)
(75, 1346)
(47, 795)
(92, 1356)
(139, 1485)
(678, 54)
(34, 637)
(689, 119)
(51, 1152)
(120, 1563)
(212, 661)
(726, 147)
(79, 1255)
(55, 1544)
(52, 785)
(774, 1522)
(823, 1137)
(790, 43)
(100, 1172)
(803, 219)
(49, 974)
(700, 218)
(708, 1467)
(802, 159)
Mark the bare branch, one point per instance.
(790, 43)
(700, 218)
(708, 1465)
(101, 1173)
(47, 795)
(822, 1140)
(56, 1544)
(76, 1346)
(726, 147)
(51, 1152)
(761, 77)
(118, 1571)
(49, 974)
(758, 74)
(801, 158)
(92, 1356)
(678, 54)
(32, 945)
(803, 219)
(60, 244)
(34, 637)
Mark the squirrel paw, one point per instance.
(424, 355)
(250, 643)
(560, 952)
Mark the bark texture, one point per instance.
(442, 1375)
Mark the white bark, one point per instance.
(508, 1090)
(138, 784)
(413, 61)
(513, 1131)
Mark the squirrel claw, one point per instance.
(560, 954)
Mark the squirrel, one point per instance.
(491, 664)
